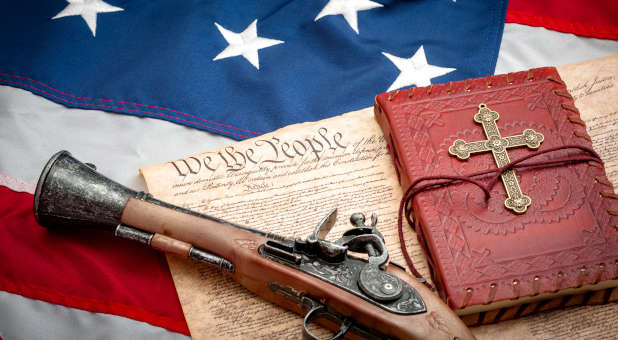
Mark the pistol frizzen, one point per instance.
(359, 298)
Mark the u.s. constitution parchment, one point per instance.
(286, 181)
(283, 182)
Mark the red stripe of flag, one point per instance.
(597, 19)
(86, 269)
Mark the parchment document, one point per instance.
(283, 182)
(286, 181)
(594, 86)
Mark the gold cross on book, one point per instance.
(516, 201)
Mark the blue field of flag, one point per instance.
(242, 68)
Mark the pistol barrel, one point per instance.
(71, 193)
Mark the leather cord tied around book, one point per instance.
(416, 187)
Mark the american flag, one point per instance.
(234, 69)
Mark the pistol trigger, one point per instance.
(319, 311)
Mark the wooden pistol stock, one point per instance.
(356, 298)
(316, 278)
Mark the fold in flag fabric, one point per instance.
(242, 68)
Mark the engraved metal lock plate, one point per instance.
(330, 262)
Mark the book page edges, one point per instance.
(607, 284)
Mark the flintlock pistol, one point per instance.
(355, 297)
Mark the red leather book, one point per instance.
(558, 237)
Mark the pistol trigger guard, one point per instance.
(317, 311)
